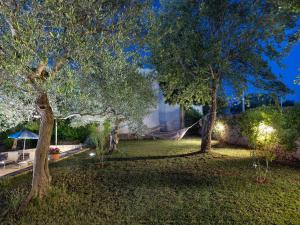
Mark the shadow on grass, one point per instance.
(153, 179)
(112, 159)
(79, 158)
(83, 160)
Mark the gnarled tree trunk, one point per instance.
(207, 132)
(41, 176)
(114, 137)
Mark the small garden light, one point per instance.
(92, 154)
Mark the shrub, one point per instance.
(219, 130)
(262, 127)
(67, 133)
(291, 127)
(32, 126)
(99, 136)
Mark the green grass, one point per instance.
(217, 188)
(150, 148)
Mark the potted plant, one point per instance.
(54, 153)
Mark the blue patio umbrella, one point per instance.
(24, 134)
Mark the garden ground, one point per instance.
(146, 182)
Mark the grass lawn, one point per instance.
(217, 188)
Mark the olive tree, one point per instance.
(201, 46)
(47, 50)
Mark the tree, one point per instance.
(47, 50)
(125, 97)
(201, 46)
(290, 5)
(99, 137)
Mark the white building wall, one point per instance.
(163, 115)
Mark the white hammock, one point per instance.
(171, 135)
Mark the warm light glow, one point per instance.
(92, 154)
(220, 127)
(265, 129)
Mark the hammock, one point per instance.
(171, 135)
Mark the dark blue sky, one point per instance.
(287, 74)
(290, 71)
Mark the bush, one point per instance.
(64, 131)
(32, 126)
(67, 133)
(219, 130)
(99, 135)
(291, 127)
(262, 127)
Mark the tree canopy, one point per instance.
(54, 53)
(201, 45)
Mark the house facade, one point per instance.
(163, 117)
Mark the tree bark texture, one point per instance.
(114, 137)
(41, 176)
(182, 115)
(209, 123)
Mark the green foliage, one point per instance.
(286, 127)
(291, 127)
(195, 42)
(65, 132)
(74, 52)
(127, 95)
(288, 5)
(219, 129)
(32, 126)
(99, 136)
(262, 128)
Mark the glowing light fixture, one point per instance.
(265, 129)
(220, 127)
(92, 154)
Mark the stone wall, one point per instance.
(227, 129)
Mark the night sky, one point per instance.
(289, 73)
